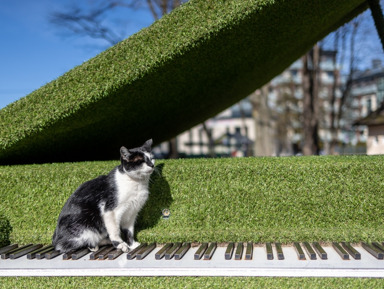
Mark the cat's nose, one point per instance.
(150, 164)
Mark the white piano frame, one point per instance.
(291, 266)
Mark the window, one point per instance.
(369, 105)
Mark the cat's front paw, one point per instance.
(123, 247)
(95, 249)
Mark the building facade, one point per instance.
(368, 95)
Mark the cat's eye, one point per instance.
(137, 159)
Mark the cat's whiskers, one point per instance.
(155, 174)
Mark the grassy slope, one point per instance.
(253, 199)
(304, 198)
(185, 68)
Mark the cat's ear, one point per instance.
(147, 145)
(124, 153)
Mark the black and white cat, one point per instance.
(103, 210)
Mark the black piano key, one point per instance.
(160, 254)
(102, 250)
(51, 254)
(351, 251)
(171, 251)
(239, 251)
(80, 253)
(200, 252)
(279, 251)
(32, 255)
(18, 254)
(182, 251)
(268, 247)
(8, 248)
(374, 251)
(68, 255)
(309, 250)
(104, 254)
(378, 246)
(340, 250)
(249, 251)
(133, 253)
(209, 253)
(229, 251)
(41, 254)
(299, 251)
(320, 251)
(145, 251)
(8, 253)
(114, 254)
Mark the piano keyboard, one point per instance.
(207, 259)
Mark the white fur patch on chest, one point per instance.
(131, 194)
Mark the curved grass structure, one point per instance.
(186, 67)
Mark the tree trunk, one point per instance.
(310, 101)
(172, 149)
(345, 94)
(335, 84)
(264, 133)
(211, 142)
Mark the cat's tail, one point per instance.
(62, 244)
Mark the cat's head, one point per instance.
(138, 162)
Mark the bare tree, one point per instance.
(311, 83)
(287, 116)
(352, 68)
(90, 20)
(344, 40)
(264, 127)
(335, 85)
(162, 7)
(211, 141)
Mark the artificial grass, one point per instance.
(5, 229)
(185, 68)
(188, 282)
(251, 199)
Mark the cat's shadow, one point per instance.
(160, 198)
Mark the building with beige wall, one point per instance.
(375, 131)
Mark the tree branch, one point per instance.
(89, 22)
(152, 9)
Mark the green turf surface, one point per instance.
(250, 199)
(186, 67)
(189, 282)
(5, 229)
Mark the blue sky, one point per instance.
(33, 52)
